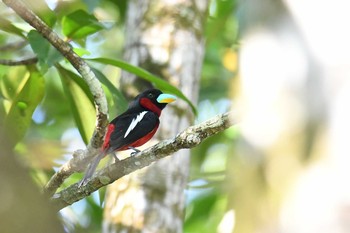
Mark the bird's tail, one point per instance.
(91, 168)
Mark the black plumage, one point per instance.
(134, 127)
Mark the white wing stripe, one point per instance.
(134, 122)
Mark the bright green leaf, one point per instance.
(19, 116)
(45, 52)
(201, 215)
(80, 24)
(10, 83)
(158, 82)
(81, 51)
(119, 98)
(79, 81)
(81, 102)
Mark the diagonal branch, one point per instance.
(89, 77)
(79, 64)
(189, 138)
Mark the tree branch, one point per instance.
(189, 138)
(13, 46)
(23, 62)
(89, 77)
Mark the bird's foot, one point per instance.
(115, 157)
(135, 151)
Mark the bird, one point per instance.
(133, 128)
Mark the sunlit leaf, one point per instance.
(81, 102)
(81, 51)
(158, 82)
(10, 83)
(80, 24)
(19, 117)
(119, 99)
(45, 52)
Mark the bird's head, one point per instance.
(153, 100)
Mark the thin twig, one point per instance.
(81, 66)
(23, 62)
(189, 138)
(13, 46)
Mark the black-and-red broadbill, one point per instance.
(134, 127)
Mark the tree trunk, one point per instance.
(281, 108)
(165, 38)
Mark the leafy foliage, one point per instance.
(23, 102)
(118, 97)
(79, 24)
(49, 101)
(158, 82)
(46, 53)
(80, 100)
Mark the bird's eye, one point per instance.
(150, 95)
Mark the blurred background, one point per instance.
(281, 67)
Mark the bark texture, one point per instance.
(100, 102)
(188, 138)
(166, 38)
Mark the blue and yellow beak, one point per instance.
(166, 98)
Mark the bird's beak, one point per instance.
(166, 98)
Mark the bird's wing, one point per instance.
(133, 130)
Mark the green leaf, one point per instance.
(80, 24)
(81, 51)
(118, 97)
(7, 26)
(19, 116)
(81, 102)
(199, 217)
(10, 83)
(158, 82)
(45, 52)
